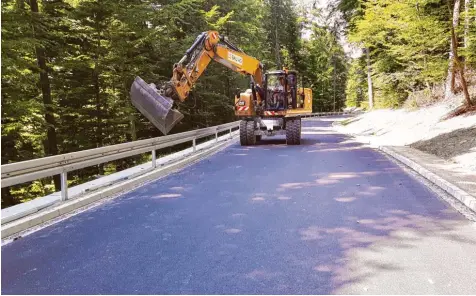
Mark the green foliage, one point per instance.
(326, 67)
(408, 42)
(356, 88)
(469, 52)
(280, 21)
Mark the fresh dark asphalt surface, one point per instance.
(328, 216)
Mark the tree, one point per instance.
(451, 77)
(457, 65)
(51, 144)
(369, 79)
(326, 67)
(406, 40)
(356, 91)
(281, 24)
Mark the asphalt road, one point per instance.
(328, 216)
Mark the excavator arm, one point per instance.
(156, 104)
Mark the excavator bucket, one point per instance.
(155, 107)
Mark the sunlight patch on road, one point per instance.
(335, 149)
(342, 175)
(168, 195)
(295, 185)
(345, 199)
(398, 212)
(323, 268)
(325, 181)
(232, 230)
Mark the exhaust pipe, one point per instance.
(154, 106)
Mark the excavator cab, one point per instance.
(281, 90)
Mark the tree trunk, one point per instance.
(133, 130)
(97, 94)
(450, 78)
(466, 27)
(278, 58)
(466, 23)
(334, 81)
(275, 15)
(51, 145)
(369, 80)
(460, 68)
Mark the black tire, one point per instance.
(258, 138)
(297, 131)
(243, 137)
(290, 132)
(250, 133)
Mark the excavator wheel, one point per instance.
(243, 137)
(293, 131)
(289, 132)
(297, 131)
(250, 133)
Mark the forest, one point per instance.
(67, 65)
(415, 52)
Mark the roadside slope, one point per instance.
(424, 129)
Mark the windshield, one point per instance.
(275, 82)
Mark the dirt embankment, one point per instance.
(425, 129)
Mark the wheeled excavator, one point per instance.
(273, 105)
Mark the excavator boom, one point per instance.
(156, 103)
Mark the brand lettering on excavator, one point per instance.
(234, 58)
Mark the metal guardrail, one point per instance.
(25, 171)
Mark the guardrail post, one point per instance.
(194, 145)
(216, 135)
(231, 136)
(64, 186)
(154, 159)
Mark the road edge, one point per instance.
(14, 228)
(456, 192)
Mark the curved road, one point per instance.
(328, 216)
